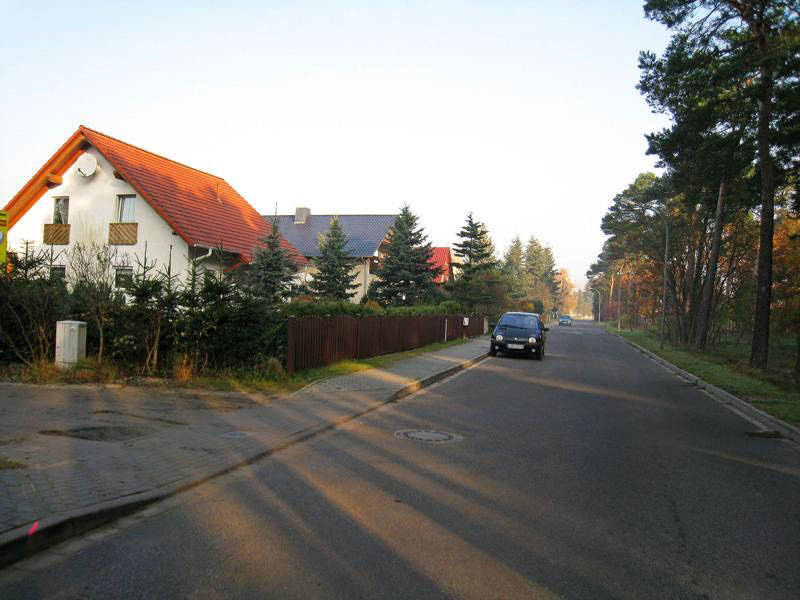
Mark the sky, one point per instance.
(523, 112)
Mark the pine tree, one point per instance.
(272, 271)
(406, 275)
(333, 281)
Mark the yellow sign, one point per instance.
(3, 236)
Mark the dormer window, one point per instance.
(125, 208)
(61, 210)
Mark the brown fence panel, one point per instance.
(316, 342)
(475, 326)
(390, 335)
(369, 336)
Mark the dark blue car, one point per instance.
(519, 333)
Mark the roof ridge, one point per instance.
(161, 156)
(342, 215)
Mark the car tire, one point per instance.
(492, 351)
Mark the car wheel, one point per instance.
(492, 351)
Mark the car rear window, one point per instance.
(524, 321)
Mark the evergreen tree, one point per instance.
(540, 267)
(475, 287)
(406, 275)
(333, 281)
(514, 268)
(476, 248)
(272, 271)
(533, 258)
(756, 42)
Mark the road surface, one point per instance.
(592, 474)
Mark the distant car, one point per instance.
(565, 320)
(519, 333)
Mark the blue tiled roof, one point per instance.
(364, 232)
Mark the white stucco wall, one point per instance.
(363, 277)
(92, 206)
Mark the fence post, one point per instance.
(290, 345)
(445, 329)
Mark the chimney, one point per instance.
(301, 215)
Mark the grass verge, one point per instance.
(773, 391)
(270, 379)
(254, 380)
(10, 464)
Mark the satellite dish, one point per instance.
(86, 165)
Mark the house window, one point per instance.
(125, 205)
(58, 273)
(61, 210)
(123, 277)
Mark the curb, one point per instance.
(758, 417)
(23, 542)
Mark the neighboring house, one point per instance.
(443, 259)
(98, 189)
(366, 239)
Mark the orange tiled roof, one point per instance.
(202, 208)
(441, 258)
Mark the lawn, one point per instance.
(775, 391)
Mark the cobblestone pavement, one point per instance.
(85, 445)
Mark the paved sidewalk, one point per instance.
(138, 445)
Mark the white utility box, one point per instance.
(70, 342)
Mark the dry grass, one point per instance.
(10, 464)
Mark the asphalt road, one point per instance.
(592, 474)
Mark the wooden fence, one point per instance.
(316, 342)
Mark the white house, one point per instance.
(96, 188)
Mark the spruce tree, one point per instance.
(514, 268)
(513, 259)
(333, 280)
(406, 276)
(475, 286)
(476, 248)
(534, 259)
(272, 272)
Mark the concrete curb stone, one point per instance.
(766, 421)
(25, 541)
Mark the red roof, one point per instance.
(441, 258)
(203, 209)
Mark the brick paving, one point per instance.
(177, 437)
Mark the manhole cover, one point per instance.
(107, 433)
(427, 435)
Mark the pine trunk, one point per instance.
(759, 353)
(711, 272)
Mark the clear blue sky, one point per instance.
(523, 112)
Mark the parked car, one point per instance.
(565, 320)
(519, 333)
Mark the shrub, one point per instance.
(30, 305)
(326, 309)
